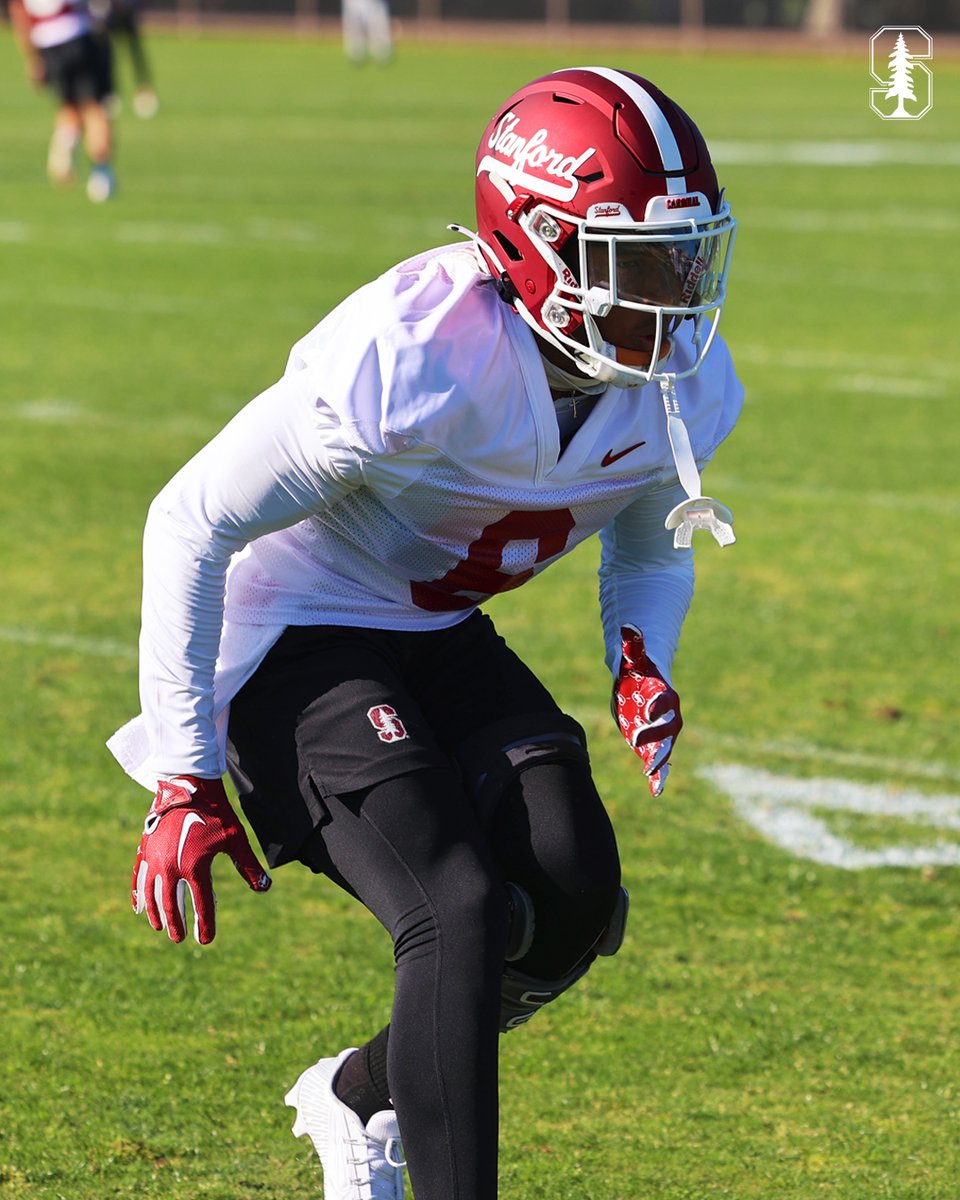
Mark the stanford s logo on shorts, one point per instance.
(385, 721)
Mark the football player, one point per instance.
(61, 51)
(367, 33)
(120, 21)
(312, 593)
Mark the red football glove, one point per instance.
(189, 822)
(646, 707)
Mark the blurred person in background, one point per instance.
(366, 31)
(120, 21)
(311, 608)
(62, 52)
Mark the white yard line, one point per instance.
(96, 647)
(819, 360)
(788, 812)
(920, 223)
(64, 412)
(165, 232)
(173, 233)
(848, 499)
(14, 232)
(811, 752)
(836, 153)
(885, 385)
(81, 299)
(53, 412)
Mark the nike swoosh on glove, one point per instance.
(189, 823)
(646, 707)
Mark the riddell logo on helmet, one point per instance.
(522, 153)
(693, 279)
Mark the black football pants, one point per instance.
(481, 781)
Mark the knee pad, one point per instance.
(521, 922)
(521, 996)
(610, 941)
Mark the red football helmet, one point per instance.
(593, 190)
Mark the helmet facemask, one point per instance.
(672, 270)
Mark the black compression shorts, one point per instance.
(78, 71)
(333, 710)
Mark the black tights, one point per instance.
(413, 851)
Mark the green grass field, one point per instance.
(776, 1027)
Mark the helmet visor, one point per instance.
(664, 270)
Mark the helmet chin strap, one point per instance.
(697, 511)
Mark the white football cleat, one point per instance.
(359, 1162)
(145, 103)
(101, 185)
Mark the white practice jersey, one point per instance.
(405, 468)
(54, 22)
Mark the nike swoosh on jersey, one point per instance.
(189, 821)
(609, 458)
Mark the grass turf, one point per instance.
(772, 1027)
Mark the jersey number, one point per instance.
(479, 575)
